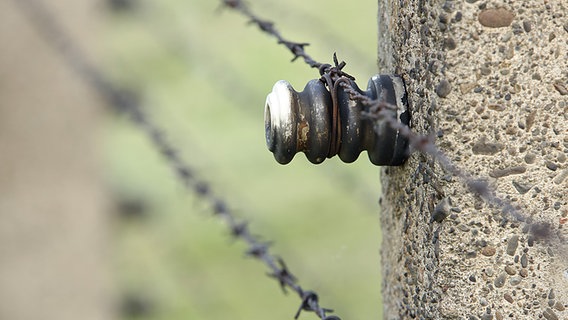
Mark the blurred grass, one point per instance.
(203, 75)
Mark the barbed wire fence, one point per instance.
(379, 111)
(332, 75)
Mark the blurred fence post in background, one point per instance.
(53, 217)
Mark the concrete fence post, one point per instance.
(489, 80)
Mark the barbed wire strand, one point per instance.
(125, 101)
(333, 75)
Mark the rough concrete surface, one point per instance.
(53, 230)
(489, 79)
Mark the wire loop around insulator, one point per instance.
(336, 104)
(334, 141)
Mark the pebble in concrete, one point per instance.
(443, 88)
(496, 18)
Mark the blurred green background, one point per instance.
(203, 75)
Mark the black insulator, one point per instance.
(306, 122)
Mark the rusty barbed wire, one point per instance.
(126, 102)
(334, 76)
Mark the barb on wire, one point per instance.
(266, 26)
(126, 102)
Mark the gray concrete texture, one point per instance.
(489, 80)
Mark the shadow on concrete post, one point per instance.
(54, 229)
(489, 78)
